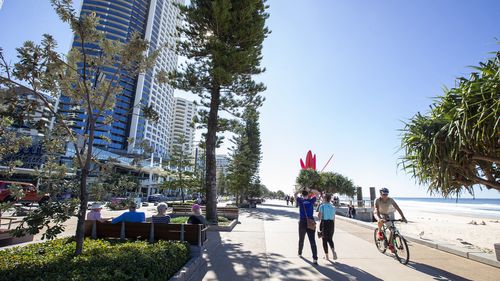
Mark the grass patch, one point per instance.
(100, 260)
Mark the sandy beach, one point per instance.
(459, 230)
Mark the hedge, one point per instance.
(100, 260)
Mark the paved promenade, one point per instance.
(264, 247)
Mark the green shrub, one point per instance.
(100, 260)
(179, 220)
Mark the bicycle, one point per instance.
(396, 243)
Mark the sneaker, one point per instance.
(315, 262)
(380, 235)
(334, 255)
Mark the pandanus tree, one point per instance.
(456, 146)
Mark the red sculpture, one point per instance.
(310, 162)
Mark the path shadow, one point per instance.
(228, 261)
(270, 214)
(277, 205)
(224, 256)
(436, 273)
(332, 271)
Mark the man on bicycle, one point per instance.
(382, 205)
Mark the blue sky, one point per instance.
(342, 76)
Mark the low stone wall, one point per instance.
(223, 227)
(194, 269)
(362, 214)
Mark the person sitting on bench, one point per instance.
(131, 216)
(95, 213)
(196, 217)
(162, 216)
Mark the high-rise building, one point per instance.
(31, 116)
(155, 21)
(182, 127)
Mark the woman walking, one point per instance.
(327, 224)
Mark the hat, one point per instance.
(96, 206)
(195, 207)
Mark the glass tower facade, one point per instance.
(155, 21)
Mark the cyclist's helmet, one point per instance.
(384, 190)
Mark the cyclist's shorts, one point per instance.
(389, 216)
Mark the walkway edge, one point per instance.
(475, 255)
(193, 270)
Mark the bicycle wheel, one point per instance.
(381, 244)
(401, 249)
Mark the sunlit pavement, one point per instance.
(264, 247)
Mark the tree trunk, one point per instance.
(211, 140)
(182, 187)
(80, 226)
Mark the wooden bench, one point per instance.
(194, 234)
(228, 212)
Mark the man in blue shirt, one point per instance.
(306, 209)
(131, 215)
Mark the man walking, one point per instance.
(306, 209)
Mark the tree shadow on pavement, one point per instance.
(230, 261)
(340, 271)
(282, 269)
(269, 214)
(436, 273)
(276, 205)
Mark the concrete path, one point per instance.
(264, 247)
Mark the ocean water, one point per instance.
(481, 208)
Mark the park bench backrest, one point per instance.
(228, 212)
(194, 234)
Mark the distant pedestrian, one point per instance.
(287, 199)
(327, 225)
(306, 209)
(352, 211)
(292, 199)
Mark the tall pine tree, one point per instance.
(223, 46)
(244, 168)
